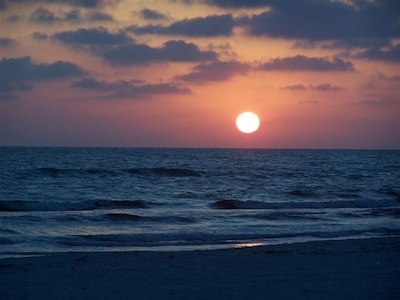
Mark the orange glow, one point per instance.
(170, 79)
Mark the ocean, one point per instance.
(155, 199)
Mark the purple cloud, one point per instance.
(304, 63)
(214, 71)
(175, 50)
(216, 25)
(129, 89)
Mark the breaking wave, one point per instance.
(237, 204)
(159, 171)
(22, 205)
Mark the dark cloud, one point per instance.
(379, 79)
(78, 3)
(47, 17)
(14, 18)
(72, 16)
(151, 14)
(214, 71)
(295, 87)
(129, 89)
(225, 50)
(346, 44)
(231, 3)
(177, 51)
(40, 36)
(324, 87)
(93, 37)
(238, 3)
(18, 74)
(328, 20)
(22, 68)
(304, 63)
(6, 42)
(379, 100)
(8, 87)
(391, 54)
(99, 17)
(216, 25)
(88, 4)
(83, 3)
(43, 16)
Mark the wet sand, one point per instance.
(347, 269)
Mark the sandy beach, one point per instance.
(347, 269)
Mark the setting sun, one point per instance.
(247, 122)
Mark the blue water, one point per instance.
(118, 199)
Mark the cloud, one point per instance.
(304, 63)
(119, 49)
(231, 3)
(22, 68)
(238, 3)
(378, 79)
(47, 17)
(295, 87)
(89, 3)
(7, 42)
(376, 101)
(18, 74)
(99, 17)
(86, 4)
(324, 87)
(391, 54)
(93, 36)
(7, 87)
(43, 16)
(216, 25)
(39, 36)
(214, 71)
(327, 20)
(129, 89)
(151, 14)
(14, 18)
(140, 54)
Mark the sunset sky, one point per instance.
(176, 73)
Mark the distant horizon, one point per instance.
(197, 148)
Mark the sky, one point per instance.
(176, 73)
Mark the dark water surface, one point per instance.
(116, 199)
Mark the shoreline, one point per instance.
(335, 269)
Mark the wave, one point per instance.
(198, 239)
(8, 241)
(23, 206)
(123, 217)
(159, 171)
(172, 172)
(237, 204)
(61, 171)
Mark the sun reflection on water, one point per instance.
(249, 245)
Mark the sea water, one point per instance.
(121, 199)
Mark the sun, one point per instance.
(247, 122)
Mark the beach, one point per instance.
(127, 223)
(335, 269)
